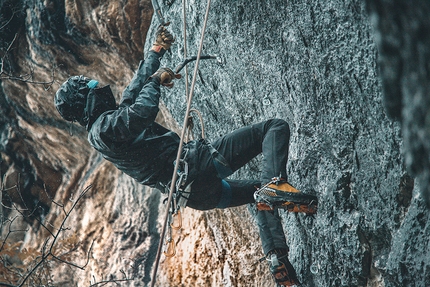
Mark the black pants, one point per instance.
(209, 191)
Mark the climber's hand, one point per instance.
(163, 38)
(165, 76)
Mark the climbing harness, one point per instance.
(181, 142)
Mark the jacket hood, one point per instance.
(98, 101)
(76, 101)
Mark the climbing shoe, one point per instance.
(278, 193)
(281, 268)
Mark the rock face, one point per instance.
(312, 63)
(403, 38)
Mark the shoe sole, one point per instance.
(290, 207)
(291, 201)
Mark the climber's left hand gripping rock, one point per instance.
(163, 38)
(165, 77)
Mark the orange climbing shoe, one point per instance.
(280, 267)
(278, 193)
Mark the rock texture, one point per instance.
(312, 63)
(403, 38)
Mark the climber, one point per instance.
(128, 136)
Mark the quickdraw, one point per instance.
(180, 198)
(170, 249)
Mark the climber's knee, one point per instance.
(281, 124)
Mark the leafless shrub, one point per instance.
(30, 266)
(33, 267)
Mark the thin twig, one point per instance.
(18, 189)
(73, 264)
(10, 45)
(20, 211)
(8, 21)
(68, 213)
(10, 231)
(5, 54)
(46, 85)
(7, 284)
(50, 198)
(116, 281)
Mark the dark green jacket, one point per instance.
(129, 137)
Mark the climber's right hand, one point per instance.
(165, 77)
(163, 38)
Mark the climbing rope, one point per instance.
(170, 249)
(178, 157)
(184, 65)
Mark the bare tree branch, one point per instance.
(51, 199)
(8, 21)
(27, 78)
(105, 282)
(112, 280)
(55, 237)
(73, 264)
(39, 271)
(10, 231)
(7, 285)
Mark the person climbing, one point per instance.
(128, 136)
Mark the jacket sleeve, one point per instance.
(146, 68)
(127, 123)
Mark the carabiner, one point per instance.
(179, 226)
(170, 250)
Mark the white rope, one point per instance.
(181, 143)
